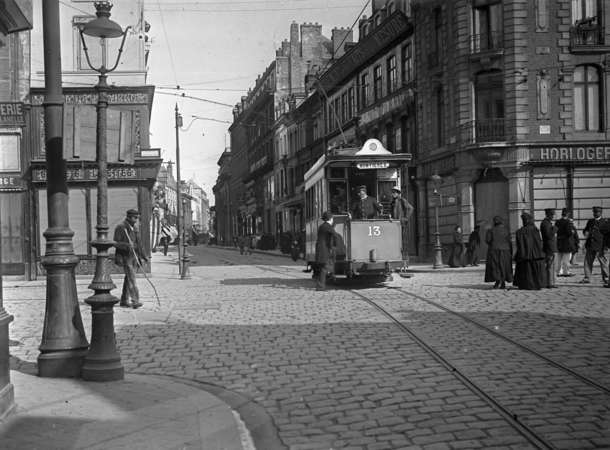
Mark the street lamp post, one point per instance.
(438, 249)
(103, 362)
(184, 275)
(64, 344)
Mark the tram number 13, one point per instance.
(375, 231)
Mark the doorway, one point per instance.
(490, 200)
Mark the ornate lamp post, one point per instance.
(63, 343)
(103, 362)
(184, 275)
(438, 250)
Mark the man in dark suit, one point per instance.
(366, 207)
(594, 246)
(128, 255)
(325, 250)
(401, 209)
(548, 232)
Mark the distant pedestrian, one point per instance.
(166, 236)
(594, 246)
(474, 242)
(128, 256)
(530, 270)
(548, 233)
(456, 255)
(498, 264)
(325, 250)
(242, 244)
(567, 243)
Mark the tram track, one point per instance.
(524, 421)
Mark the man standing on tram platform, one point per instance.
(366, 207)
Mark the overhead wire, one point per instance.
(169, 49)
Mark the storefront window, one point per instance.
(586, 99)
(9, 153)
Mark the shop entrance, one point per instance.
(11, 222)
(490, 200)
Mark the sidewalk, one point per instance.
(141, 412)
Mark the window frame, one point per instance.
(586, 83)
(377, 83)
(391, 73)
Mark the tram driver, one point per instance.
(365, 207)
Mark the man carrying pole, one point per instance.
(128, 255)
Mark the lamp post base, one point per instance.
(103, 362)
(438, 253)
(64, 344)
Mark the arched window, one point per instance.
(587, 98)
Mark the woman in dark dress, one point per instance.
(530, 271)
(498, 266)
(457, 248)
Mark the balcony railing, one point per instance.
(485, 42)
(586, 34)
(483, 130)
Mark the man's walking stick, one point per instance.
(133, 250)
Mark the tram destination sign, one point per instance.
(372, 165)
(572, 152)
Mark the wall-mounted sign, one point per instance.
(90, 174)
(11, 114)
(114, 98)
(11, 182)
(373, 165)
(571, 152)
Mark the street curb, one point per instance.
(259, 423)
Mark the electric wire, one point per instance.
(169, 49)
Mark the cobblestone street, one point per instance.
(333, 372)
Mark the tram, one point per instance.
(368, 247)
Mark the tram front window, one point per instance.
(338, 197)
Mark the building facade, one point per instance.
(132, 164)
(512, 107)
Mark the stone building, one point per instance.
(15, 23)
(512, 109)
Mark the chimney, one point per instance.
(340, 37)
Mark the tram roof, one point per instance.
(347, 156)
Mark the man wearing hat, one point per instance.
(128, 255)
(326, 244)
(401, 209)
(366, 207)
(594, 246)
(548, 232)
(567, 243)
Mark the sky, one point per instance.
(215, 50)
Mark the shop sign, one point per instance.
(114, 98)
(373, 165)
(11, 113)
(11, 182)
(571, 152)
(395, 103)
(90, 174)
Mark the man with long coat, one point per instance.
(401, 209)
(128, 255)
(548, 232)
(325, 250)
(530, 270)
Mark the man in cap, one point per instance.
(401, 209)
(366, 207)
(548, 232)
(128, 256)
(594, 246)
(567, 243)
